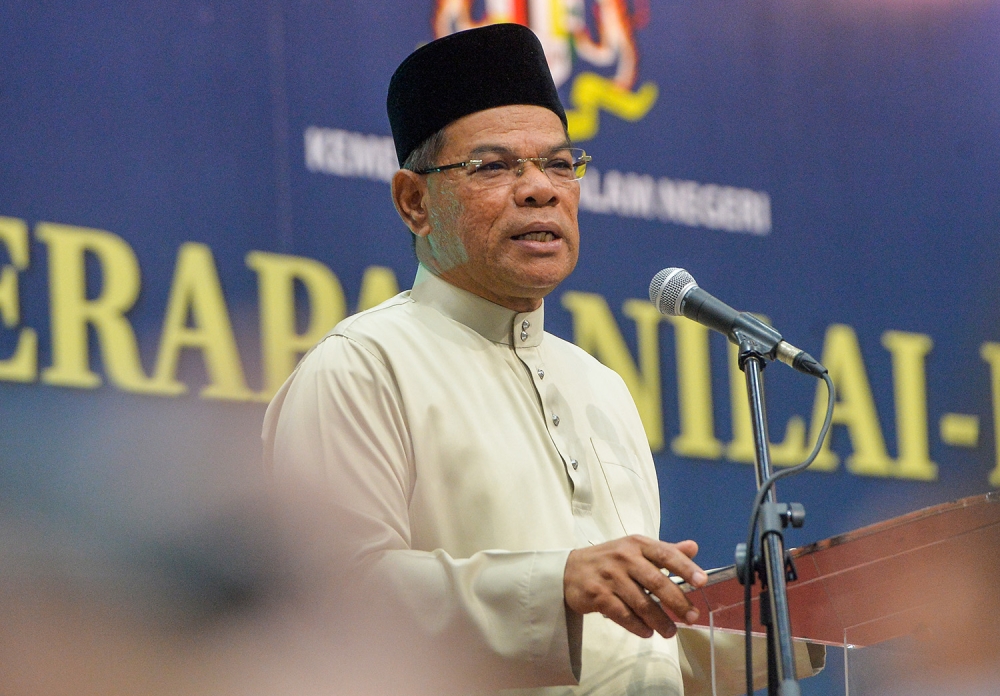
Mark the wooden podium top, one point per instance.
(875, 583)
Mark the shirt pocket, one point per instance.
(628, 490)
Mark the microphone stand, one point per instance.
(771, 566)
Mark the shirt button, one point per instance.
(541, 373)
(524, 335)
(575, 464)
(555, 419)
(525, 324)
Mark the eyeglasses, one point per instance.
(562, 166)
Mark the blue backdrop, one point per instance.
(831, 165)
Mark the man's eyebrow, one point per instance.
(504, 150)
(498, 149)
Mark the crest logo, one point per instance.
(596, 33)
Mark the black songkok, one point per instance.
(466, 72)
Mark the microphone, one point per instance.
(675, 293)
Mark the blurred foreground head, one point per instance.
(205, 594)
(179, 583)
(208, 584)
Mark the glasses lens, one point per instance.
(559, 165)
(568, 164)
(580, 160)
(493, 167)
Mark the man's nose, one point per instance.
(533, 186)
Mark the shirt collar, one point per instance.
(491, 321)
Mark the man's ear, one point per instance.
(409, 195)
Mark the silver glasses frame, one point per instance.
(472, 165)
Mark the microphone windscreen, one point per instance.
(668, 288)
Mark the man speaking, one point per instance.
(503, 500)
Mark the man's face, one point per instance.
(511, 244)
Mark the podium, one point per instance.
(913, 598)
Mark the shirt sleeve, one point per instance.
(494, 620)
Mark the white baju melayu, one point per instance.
(478, 450)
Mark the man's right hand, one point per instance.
(622, 580)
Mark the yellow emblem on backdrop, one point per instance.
(602, 38)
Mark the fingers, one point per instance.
(677, 559)
(651, 612)
(619, 612)
(660, 587)
(688, 547)
(627, 604)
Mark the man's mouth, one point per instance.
(537, 237)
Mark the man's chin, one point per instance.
(542, 270)
(538, 285)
